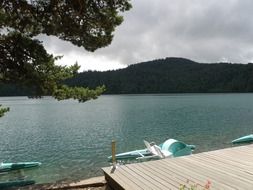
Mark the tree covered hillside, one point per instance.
(171, 75)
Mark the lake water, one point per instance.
(73, 139)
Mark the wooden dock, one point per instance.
(226, 169)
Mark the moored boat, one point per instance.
(174, 147)
(244, 139)
(6, 167)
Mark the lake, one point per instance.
(73, 139)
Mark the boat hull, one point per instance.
(6, 167)
(244, 139)
(131, 154)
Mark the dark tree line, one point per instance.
(170, 75)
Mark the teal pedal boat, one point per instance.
(6, 167)
(172, 147)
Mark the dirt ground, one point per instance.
(96, 183)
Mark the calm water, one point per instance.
(72, 139)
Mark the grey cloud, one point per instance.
(206, 31)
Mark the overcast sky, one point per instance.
(201, 30)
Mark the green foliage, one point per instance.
(81, 94)
(24, 61)
(89, 24)
(3, 110)
(171, 75)
(28, 63)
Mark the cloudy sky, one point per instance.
(201, 30)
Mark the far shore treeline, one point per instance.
(169, 75)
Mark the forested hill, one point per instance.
(171, 75)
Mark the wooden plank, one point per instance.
(232, 154)
(236, 157)
(119, 181)
(226, 168)
(245, 154)
(239, 153)
(202, 171)
(133, 175)
(228, 162)
(218, 173)
(177, 175)
(227, 159)
(172, 184)
(249, 146)
(145, 174)
(113, 183)
(237, 168)
(165, 174)
(116, 181)
(241, 148)
(233, 159)
(193, 173)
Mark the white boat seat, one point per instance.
(156, 150)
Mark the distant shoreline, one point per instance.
(169, 75)
(145, 94)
